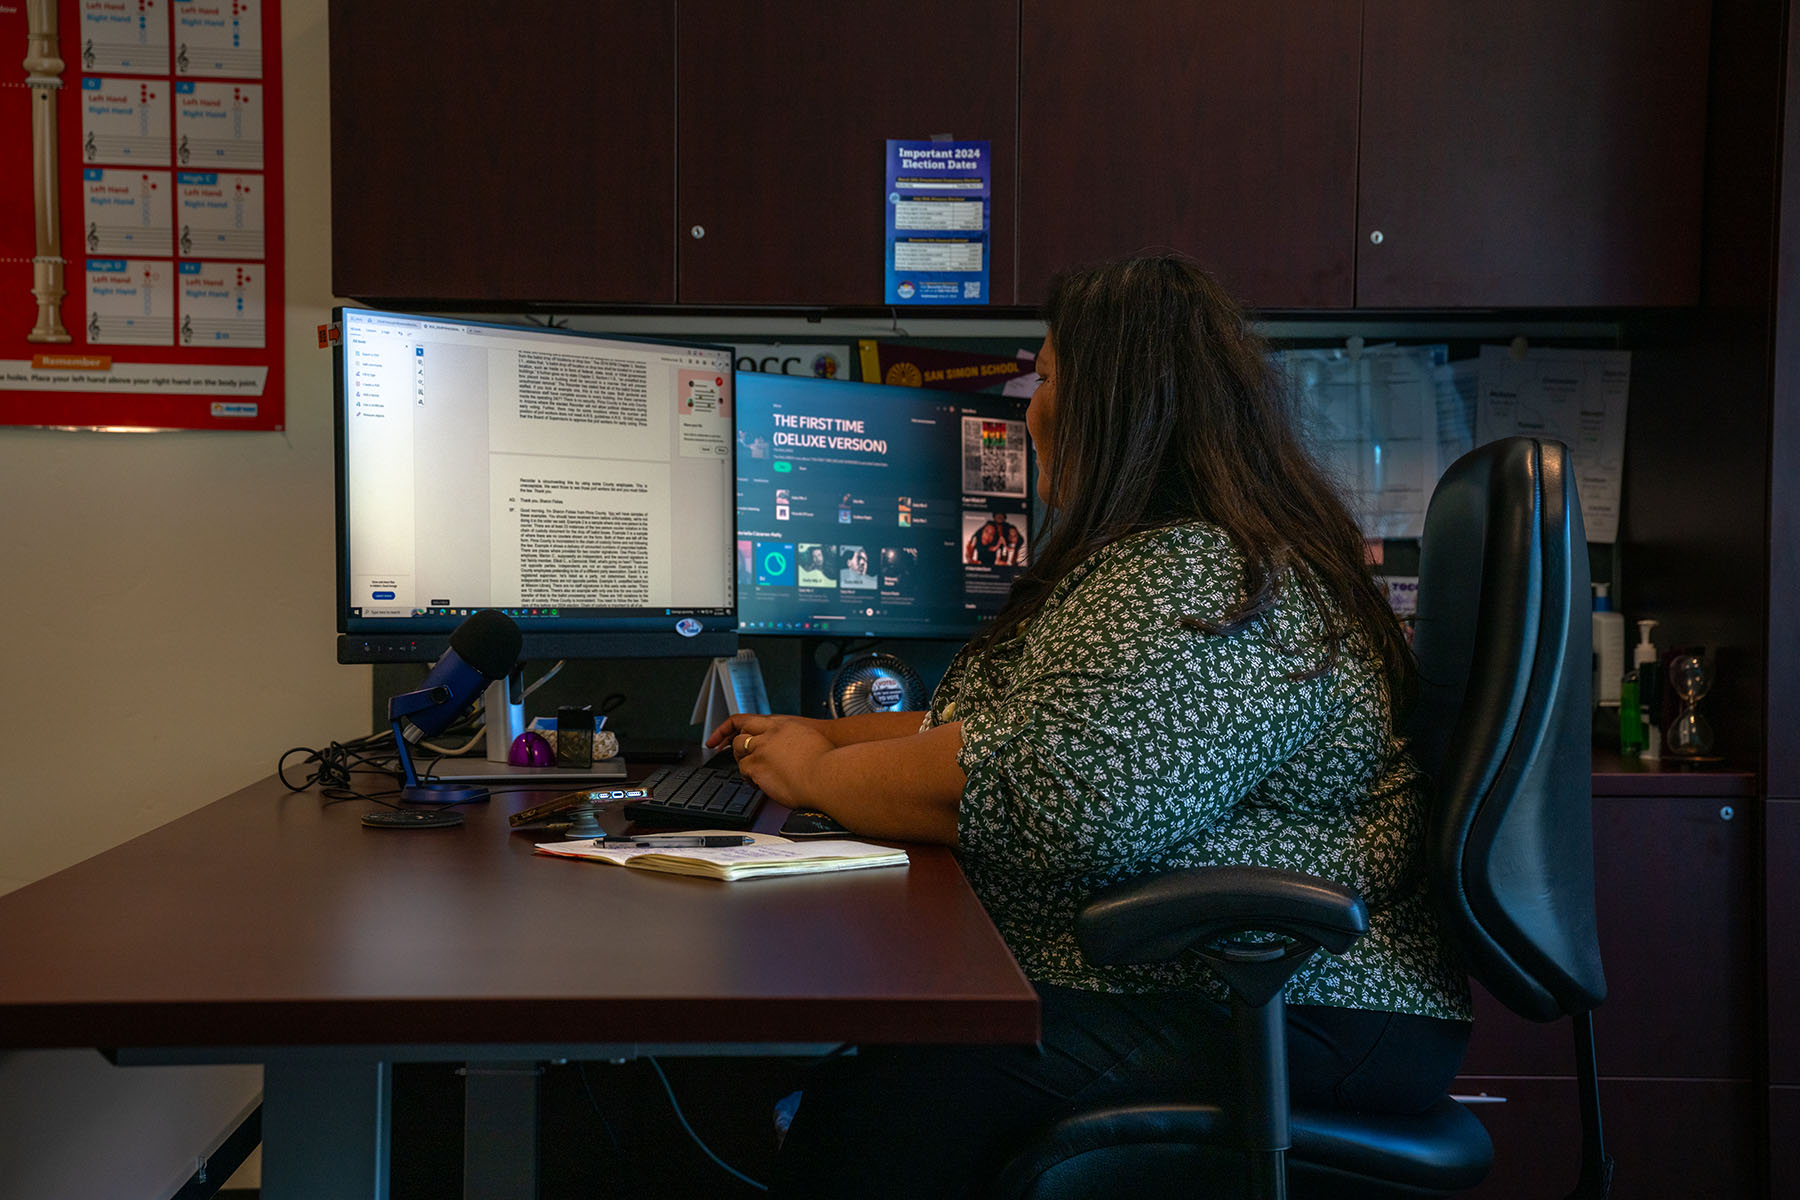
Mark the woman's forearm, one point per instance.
(908, 789)
(871, 727)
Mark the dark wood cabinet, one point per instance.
(785, 111)
(1672, 1139)
(1781, 862)
(1315, 155)
(481, 156)
(1224, 130)
(1781, 842)
(1536, 153)
(1677, 1042)
(1784, 1147)
(1675, 898)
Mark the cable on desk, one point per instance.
(475, 739)
(335, 762)
(682, 1117)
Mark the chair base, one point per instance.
(1133, 1151)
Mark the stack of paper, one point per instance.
(767, 855)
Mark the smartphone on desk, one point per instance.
(810, 822)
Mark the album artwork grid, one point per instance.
(826, 545)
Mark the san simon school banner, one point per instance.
(140, 214)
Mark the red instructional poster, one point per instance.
(141, 276)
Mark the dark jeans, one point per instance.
(935, 1120)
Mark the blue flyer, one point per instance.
(937, 222)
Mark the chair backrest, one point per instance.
(1502, 724)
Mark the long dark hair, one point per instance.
(1168, 411)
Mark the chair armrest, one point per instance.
(1158, 917)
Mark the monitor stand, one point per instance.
(504, 705)
(480, 770)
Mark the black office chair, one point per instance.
(1501, 727)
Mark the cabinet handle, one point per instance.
(1375, 237)
(699, 231)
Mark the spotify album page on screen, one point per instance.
(517, 469)
(868, 510)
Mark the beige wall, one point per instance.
(166, 632)
(166, 623)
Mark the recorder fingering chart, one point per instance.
(144, 262)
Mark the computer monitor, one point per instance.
(866, 510)
(581, 484)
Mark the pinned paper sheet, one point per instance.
(1577, 397)
(1372, 417)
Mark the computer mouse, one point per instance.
(810, 822)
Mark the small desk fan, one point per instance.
(872, 683)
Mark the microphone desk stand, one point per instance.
(411, 790)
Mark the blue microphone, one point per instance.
(484, 648)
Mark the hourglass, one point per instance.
(1690, 736)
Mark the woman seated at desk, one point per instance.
(1195, 668)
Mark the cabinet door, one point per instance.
(1221, 129)
(1781, 872)
(1670, 1138)
(785, 112)
(1674, 884)
(1784, 1142)
(514, 152)
(1535, 153)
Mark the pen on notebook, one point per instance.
(677, 842)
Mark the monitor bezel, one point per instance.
(424, 639)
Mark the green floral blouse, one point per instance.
(1108, 741)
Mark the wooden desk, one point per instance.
(271, 927)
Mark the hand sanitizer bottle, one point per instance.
(1648, 668)
(1609, 649)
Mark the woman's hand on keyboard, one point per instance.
(843, 731)
(778, 754)
(730, 733)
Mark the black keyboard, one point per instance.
(704, 797)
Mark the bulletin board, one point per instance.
(141, 276)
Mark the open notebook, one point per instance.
(766, 855)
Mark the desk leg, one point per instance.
(326, 1130)
(500, 1111)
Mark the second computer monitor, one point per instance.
(872, 511)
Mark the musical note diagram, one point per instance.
(127, 121)
(219, 38)
(222, 304)
(130, 302)
(221, 215)
(218, 125)
(133, 38)
(126, 212)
